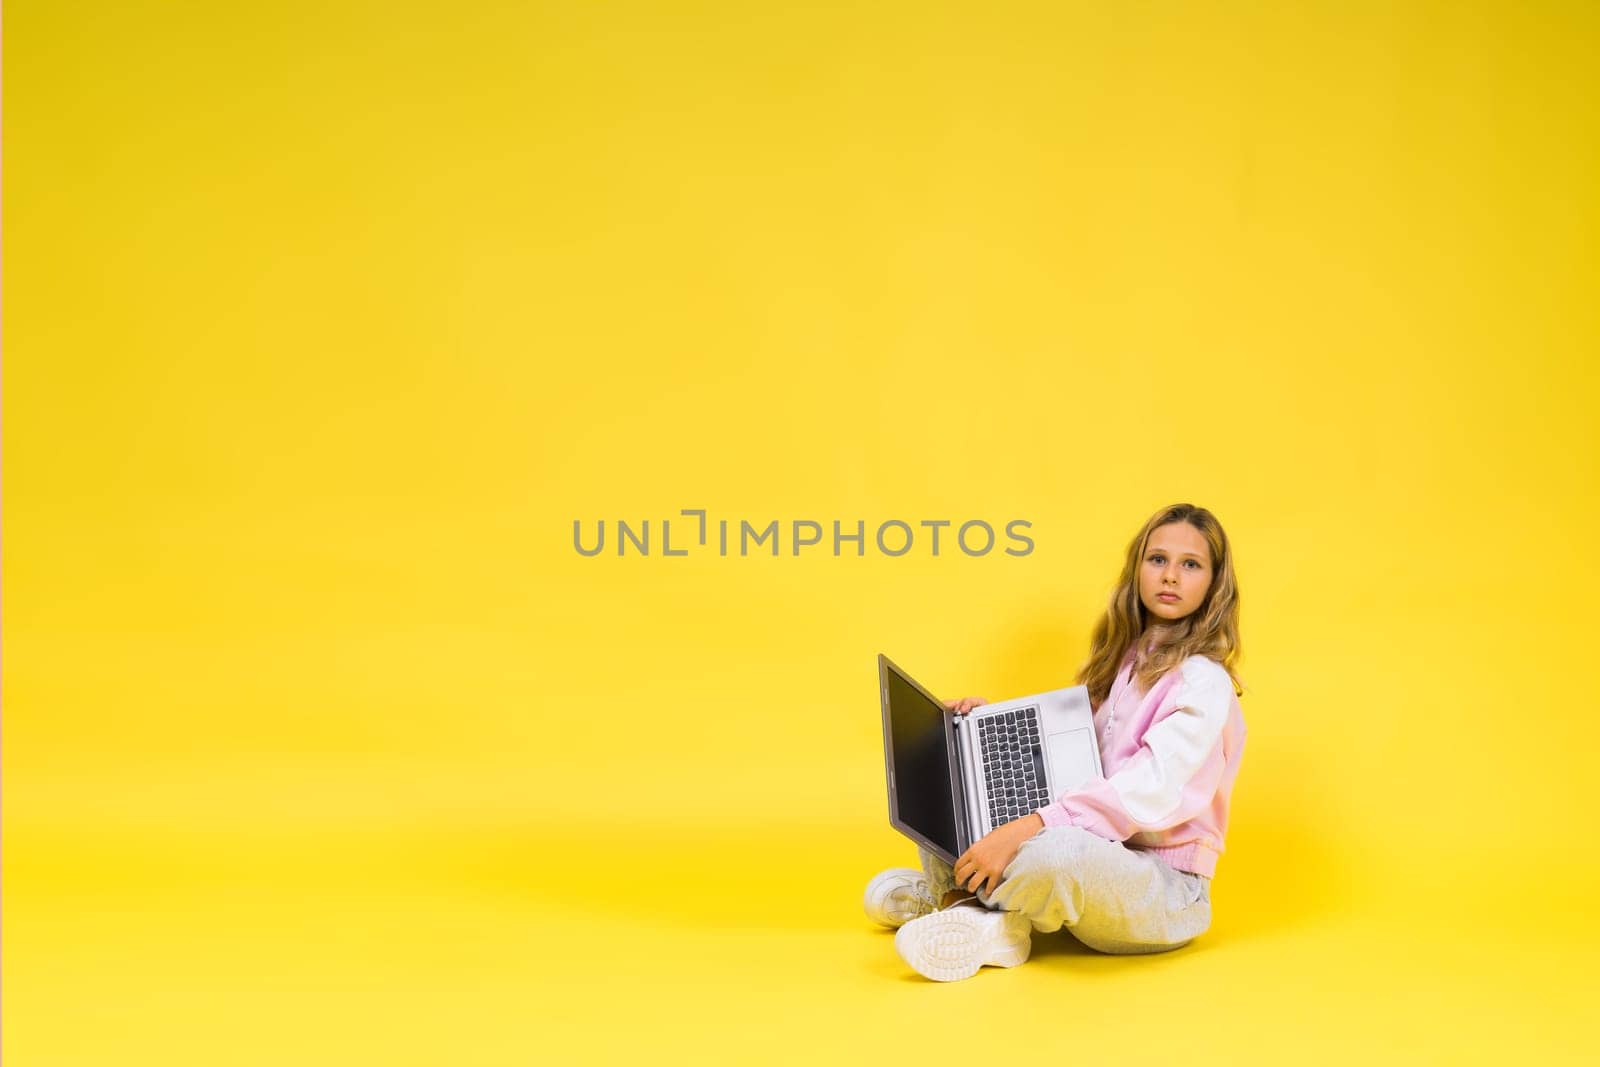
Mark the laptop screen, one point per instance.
(923, 791)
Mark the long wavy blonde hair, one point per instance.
(1210, 630)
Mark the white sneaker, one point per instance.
(952, 944)
(897, 896)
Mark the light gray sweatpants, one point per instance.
(1111, 897)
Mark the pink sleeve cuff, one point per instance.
(1055, 814)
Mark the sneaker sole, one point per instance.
(953, 944)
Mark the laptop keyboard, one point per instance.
(1013, 764)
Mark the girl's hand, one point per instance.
(984, 864)
(964, 705)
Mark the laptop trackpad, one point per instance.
(1071, 755)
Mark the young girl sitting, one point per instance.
(1125, 861)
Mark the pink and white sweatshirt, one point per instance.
(1171, 756)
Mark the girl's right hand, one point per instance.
(964, 705)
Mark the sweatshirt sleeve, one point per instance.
(1172, 778)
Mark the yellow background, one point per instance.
(324, 322)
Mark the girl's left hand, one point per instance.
(984, 864)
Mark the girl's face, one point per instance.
(1175, 572)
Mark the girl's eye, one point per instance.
(1195, 562)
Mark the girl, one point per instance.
(1124, 862)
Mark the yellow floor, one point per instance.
(614, 943)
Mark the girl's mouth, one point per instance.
(1166, 596)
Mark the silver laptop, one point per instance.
(953, 778)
